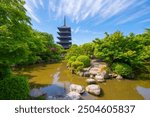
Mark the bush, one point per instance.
(77, 65)
(84, 59)
(71, 60)
(122, 69)
(14, 88)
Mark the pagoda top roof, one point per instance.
(64, 27)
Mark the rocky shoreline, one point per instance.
(98, 72)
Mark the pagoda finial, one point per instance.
(64, 20)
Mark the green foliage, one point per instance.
(85, 49)
(84, 59)
(80, 53)
(14, 88)
(77, 65)
(132, 49)
(71, 60)
(5, 71)
(14, 32)
(43, 49)
(19, 43)
(74, 51)
(122, 69)
(88, 49)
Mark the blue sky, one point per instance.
(89, 19)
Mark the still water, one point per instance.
(54, 79)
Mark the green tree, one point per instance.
(14, 33)
(74, 50)
(132, 50)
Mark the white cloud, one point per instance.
(35, 3)
(31, 13)
(77, 30)
(41, 3)
(30, 6)
(144, 21)
(136, 15)
(80, 10)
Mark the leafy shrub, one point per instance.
(77, 65)
(71, 60)
(122, 69)
(14, 88)
(84, 59)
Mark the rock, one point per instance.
(86, 74)
(93, 89)
(113, 75)
(91, 76)
(36, 93)
(99, 78)
(90, 81)
(69, 96)
(74, 95)
(104, 74)
(81, 74)
(119, 77)
(86, 69)
(103, 66)
(76, 88)
(72, 71)
(94, 70)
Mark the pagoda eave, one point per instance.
(64, 38)
(64, 43)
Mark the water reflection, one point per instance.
(57, 89)
(145, 92)
(56, 77)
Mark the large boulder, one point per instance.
(90, 81)
(74, 95)
(93, 89)
(36, 93)
(99, 78)
(76, 88)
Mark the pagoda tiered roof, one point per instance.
(64, 38)
(64, 35)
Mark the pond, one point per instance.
(54, 79)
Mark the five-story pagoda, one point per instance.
(64, 35)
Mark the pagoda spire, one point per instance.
(64, 20)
